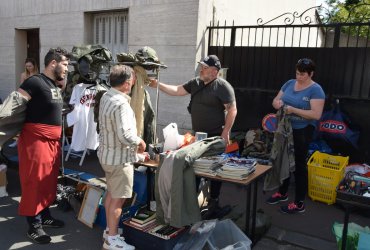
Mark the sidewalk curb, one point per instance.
(283, 239)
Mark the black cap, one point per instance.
(211, 60)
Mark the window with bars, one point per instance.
(111, 31)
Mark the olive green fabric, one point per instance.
(90, 60)
(146, 57)
(282, 153)
(184, 202)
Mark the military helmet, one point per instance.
(146, 54)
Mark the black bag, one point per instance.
(97, 99)
(189, 106)
(335, 125)
(196, 92)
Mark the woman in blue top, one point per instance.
(303, 100)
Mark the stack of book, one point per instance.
(225, 166)
(143, 220)
(237, 168)
(165, 231)
(208, 165)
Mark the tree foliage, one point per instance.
(350, 11)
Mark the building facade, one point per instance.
(176, 29)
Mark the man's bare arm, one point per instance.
(25, 94)
(229, 120)
(174, 90)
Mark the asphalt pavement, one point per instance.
(310, 230)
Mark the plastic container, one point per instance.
(140, 188)
(226, 235)
(324, 174)
(357, 236)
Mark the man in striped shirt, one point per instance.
(118, 148)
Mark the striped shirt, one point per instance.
(118, 138)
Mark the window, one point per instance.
(111, 31)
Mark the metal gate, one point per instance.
(260, 58)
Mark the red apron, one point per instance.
(39, 155)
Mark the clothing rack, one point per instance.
(157, 67)
(93, 83)
(77, 155)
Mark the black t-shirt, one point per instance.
(207, 107)
(46, 104)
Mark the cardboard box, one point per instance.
(143, 240)
(3, 183)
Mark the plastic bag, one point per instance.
(172, 139)
(188, 139)
(197, 236)
(354, 233)
(263, 223)
(362, 169)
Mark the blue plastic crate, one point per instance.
(126, 213)
(140, 188)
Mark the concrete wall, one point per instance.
(170, 27)
(172, 32)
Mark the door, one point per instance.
(33, 45)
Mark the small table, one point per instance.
(248, 183)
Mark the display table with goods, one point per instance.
(249, 183)
(331, 180)
(237, 171)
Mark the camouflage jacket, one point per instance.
(282, 153)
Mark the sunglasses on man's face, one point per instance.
(304, 61)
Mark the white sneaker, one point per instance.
(117, 244)
(106, 233)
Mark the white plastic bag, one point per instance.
(172, 139)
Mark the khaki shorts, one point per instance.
(120, 179)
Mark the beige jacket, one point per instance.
(12, 116)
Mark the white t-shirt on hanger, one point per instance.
(82, 118)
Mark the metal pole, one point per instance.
(156, 109)
(63, 141)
